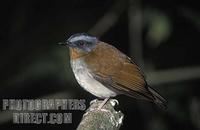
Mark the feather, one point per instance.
(119, 73)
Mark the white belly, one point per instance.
(86, 80)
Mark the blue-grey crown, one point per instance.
(82, 37)
(82, 42)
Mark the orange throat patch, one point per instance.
(75, 54)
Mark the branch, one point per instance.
(104, 119)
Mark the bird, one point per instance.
(104, 71)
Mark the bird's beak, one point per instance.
(66, 43)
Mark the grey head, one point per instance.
(81, 41)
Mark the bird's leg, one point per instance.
(100, 106)
(113, 102)
(103, 103)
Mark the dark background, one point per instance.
(161, 36)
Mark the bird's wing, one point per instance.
(117, 72)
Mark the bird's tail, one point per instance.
(158, 99)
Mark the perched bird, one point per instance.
(105, 72)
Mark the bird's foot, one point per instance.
(113, 102)
(93, 101)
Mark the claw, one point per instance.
(114, 102)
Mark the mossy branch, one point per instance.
(105, 118)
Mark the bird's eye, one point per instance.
(81, 43)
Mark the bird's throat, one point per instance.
(76, 54)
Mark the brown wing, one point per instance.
(116, 71)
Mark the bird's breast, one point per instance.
(85, 79)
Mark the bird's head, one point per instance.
(81, 41)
